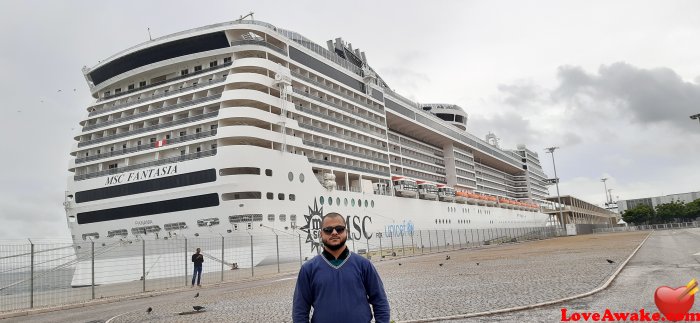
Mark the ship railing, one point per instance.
(192, 156)
(259, 42)
(40, 275)
(345, 151)
(152, 112)
(147, 99)
(145, 147)
(335, 105)
(151, 128)
(340, 165)
(355, 140)
(365, 129)
(335, 91)
(154, 84)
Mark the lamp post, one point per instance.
(556, 182)
(695, 117)
(606, 190)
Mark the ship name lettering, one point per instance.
(356, 227)
(141, 175)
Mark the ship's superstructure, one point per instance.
(242, 126)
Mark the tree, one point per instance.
(639, 214)
(671, 212)
(692, 210)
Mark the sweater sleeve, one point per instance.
(301, 305)
(376, 294)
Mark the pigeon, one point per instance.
(477, 263)
(197, 295)
(609, 261)
(448, 257)
(441, 265)
(149, 310)
(399, 264)
(198, 308)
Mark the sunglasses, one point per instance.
(337, 228)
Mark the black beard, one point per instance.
(335, 247)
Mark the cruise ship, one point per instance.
(243, 128)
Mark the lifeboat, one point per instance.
(404, 186)
(490, 200)
(427, 190)
(461, 197)
(446, 193)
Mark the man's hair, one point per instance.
(334, 215)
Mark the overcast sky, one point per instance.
(611, 83)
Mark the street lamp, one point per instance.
(606, 190)
(696, 117)
(556, 181)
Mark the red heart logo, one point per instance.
(671, 304)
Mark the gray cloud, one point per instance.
(643, 96)
(520, 93)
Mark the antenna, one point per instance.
(149, 34)
(250, 14)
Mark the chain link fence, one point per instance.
(34, 275)
(665, 226)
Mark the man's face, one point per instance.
(333, 240)
(198, 250)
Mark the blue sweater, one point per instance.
(340, 294)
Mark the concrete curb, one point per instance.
(526, 307)
(115, 299)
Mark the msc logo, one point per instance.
(313, 227)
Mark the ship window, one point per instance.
(372, 203)
(459, 118)
(330, 200)
(239, 171)
(130, 87)
(345, 201)
(293, 217)
(138, 143)
(366, 203)
(198, 68)
(249, 226)
(301, 178)
(283, 217)
(213, 146)
(117, 91)
(292, 197)
(352, 202)
(184, 72)
(153, 140)
(241, 196)
(280, 196)
(198, 130)
(106, 93)
(257, 217)
(290, 176)
(182, 133)
(270, 195)
(94, 235)
(213, 64)
(271, 217)
(175, 226)
(359, 203)
(114, 233)
(268, 172)
(199, 149)
(213, 127)
(182, 152)
(227, 60)
(321, 200)
(142, 83)
(208, 222)
(112, 166)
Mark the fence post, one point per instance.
(368, 257)
(430, 242)
(300, 261)
(452, 235)
(92, 270)
(222, 258)
(391, 237)
(277, 243)
(420, 235)
(31, 278)
(252, 268)
(459, 237)
(413, 245)
(403, 247)
(186, 281)
(437, 240)
(380, 244)
(143, 262)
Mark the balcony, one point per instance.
(339, 165)
(353, 113)
(343, 151)
(146, 147)
(326, 87)
(367, 130)
(148, 129)
(355, 140)
(118, 170)
(260, 43)
(152, 112)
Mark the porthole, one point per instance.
(321, 200)
(345, 201)
(290, 176)
(283, 217)
(372, 203)
(337, 201)
(352, 202)
(330, 200)
(292, 197)
(359, 203)
(366, 203)
(301, 177)
(271, 217)
(268, 172)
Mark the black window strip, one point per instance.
(325, 69)
(167, 206)
(151, 185)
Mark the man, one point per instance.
(197, 259)
(339, 284)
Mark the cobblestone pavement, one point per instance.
(473, 280)
(668, 258)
